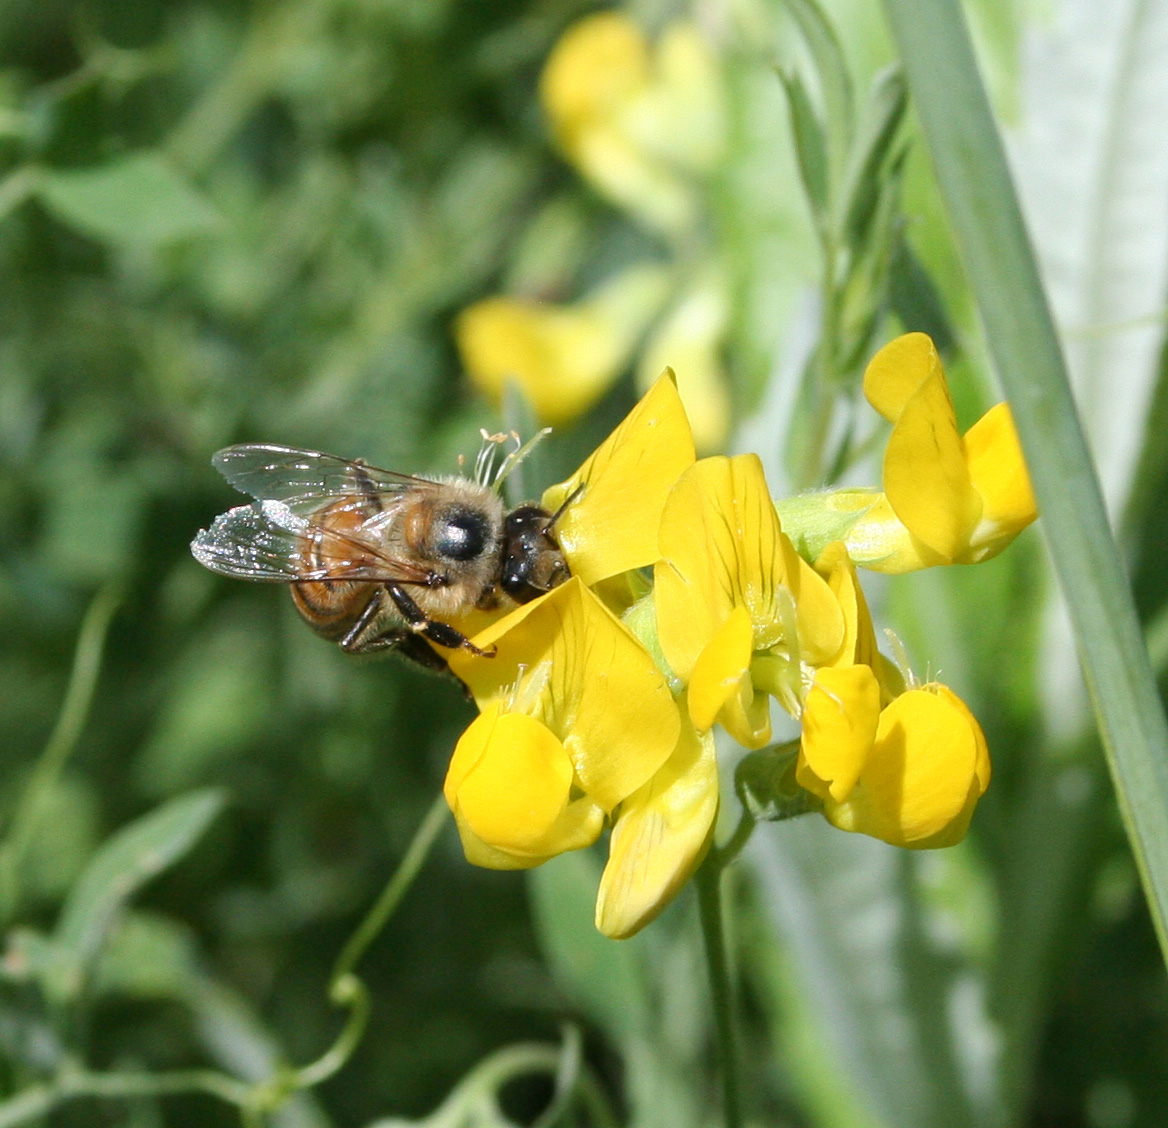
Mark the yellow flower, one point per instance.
(637, 122)
(739, 613)
(565, 357)
(611, 527)
(905, 766)
(575, 719)
(578, 725)
(660, 836)
(910, 774)
(947, 499)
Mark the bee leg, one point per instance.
(360, 638)
(441, 633)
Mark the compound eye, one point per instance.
(462, 536)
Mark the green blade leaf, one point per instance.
(871, 153)
(135, 201)
(134, 855)
(835, 80)
(603, 977)
(976, 186)
(810, 146)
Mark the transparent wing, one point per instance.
(268, 540)
(279, 473)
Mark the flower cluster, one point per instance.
(692, 605)
(644, 125)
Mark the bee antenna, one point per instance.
(551, 523)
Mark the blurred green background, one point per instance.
(225, 222)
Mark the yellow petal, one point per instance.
(566, 661)
(720, 669)
(599, 64)
(746, 715)
(859, 645)
(840, 719)
(660, 836)
(896, 372)
(510, 778)
(878, 539)
(929, 754)
(926, 479)
(722, 548)
(999, 475)
(579, 826)
(612, 526)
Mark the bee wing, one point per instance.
(269, 540)
(278, 473)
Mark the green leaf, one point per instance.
(978, 192)
(602, 977)
(865, 179)
(835, 80)
(148, 956)
(125, 863)
(878, 1047)
(135, 201)
(765, 782)
(810, 146)
(916, 301)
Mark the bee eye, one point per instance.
(462, 535)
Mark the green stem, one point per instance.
(732, 847)
(347, 991)
(399, 884)
(36, 1102)
(70, 721)
(709, 884)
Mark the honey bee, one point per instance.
(378, 560)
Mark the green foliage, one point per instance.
(224, 222)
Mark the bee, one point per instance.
(377, 560)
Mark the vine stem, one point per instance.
(70, 721)
(709, 886)
(399, 884)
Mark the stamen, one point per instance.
(900, 659)
(516, 457)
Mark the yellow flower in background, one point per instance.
(739, 613)
(690, 339)
(638, 121)
(959, 500)
(575, 719)
(564, 357)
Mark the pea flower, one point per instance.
(599, 705)
(638, 121)
(903, 764)
(739, 614)
(578, 724)
(947, 499)
(575, 718)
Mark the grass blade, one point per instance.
(978, 192)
